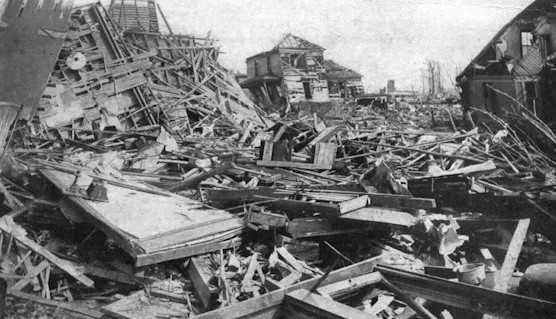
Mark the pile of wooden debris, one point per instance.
(142, 182)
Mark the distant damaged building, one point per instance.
(295, 71)
(516, 66)
(342, 82)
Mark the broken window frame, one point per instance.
(524, 37)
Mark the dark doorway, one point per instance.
(307, 89)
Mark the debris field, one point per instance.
(139, 180)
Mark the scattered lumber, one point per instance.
(136, 158)
(471, 298)
(302, 303)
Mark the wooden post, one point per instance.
(3, 288)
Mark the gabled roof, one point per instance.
(336, 71)
(290, 41)
(533, 9)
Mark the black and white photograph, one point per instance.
(269, 159)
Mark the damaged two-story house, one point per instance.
(516, 67)
(295, 71)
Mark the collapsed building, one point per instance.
(295, 71)
(517, 67)
(138, 181)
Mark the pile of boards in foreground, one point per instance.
(145, 184)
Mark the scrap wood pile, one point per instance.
(308, 200)
(147, 185)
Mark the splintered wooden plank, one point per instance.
(326, 134)
(315, 227)
(140, 305)
(9, 228)
(194, 181)
(353, 204)
(340, 288)
(381, 215)
(304, 304)
(31, 272)
(268, 305)
(69, 306)
(469, 297)
(196, 232)
(242, 194)
(183, 252)
(401, 201)
(200, 273)
(504, 274)
(325, 154)
(290, 259)
(294, 165)
(116, 276)
(251, 269)
(305, 208)
(268, 219)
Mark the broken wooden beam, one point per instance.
(116, 276)
(200, 273)
(194, 181)
(350, 285)
(401, 201)
(268, 305)
(302, 303)
(69, 306)
(315, 227)
(468, 297)
(267, 219)
(7, 226)
(186, 251)
(381, 215)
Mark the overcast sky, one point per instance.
(381, 39)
